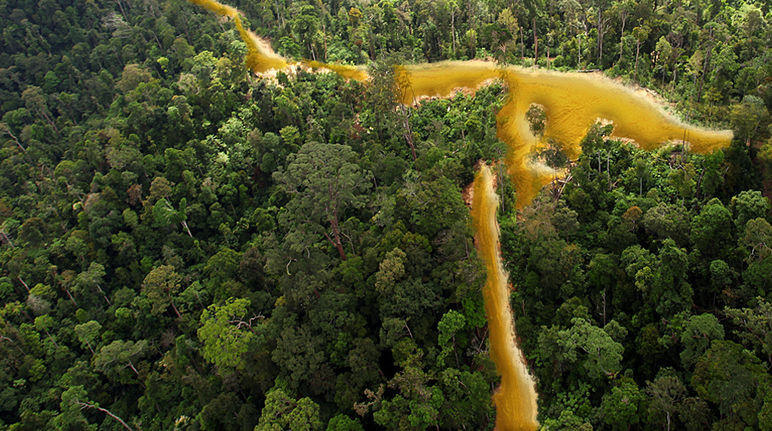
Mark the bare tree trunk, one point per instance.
(600, 38)
(336, 235)
(333, 218)
(600, 164)
(48, 120)
(123, 12)
(637, 51)
(105, 411)
(174, 307)
(185, 225)
(579, 44)
(50, 337)
(8, 240)
(705, 70)
(69, 295)
(7, 131)
(324, 30)
(4, 338)
(535, 41)
(155, 36)
(103, 294)
(604, 307)
(453, 30)
(23, 283)
(408, 133)
(131, 365)
(622, 38)
(675, 73)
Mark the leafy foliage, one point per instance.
(186, 246)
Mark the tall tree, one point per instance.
(227, 333)
(160, 286)
(640, 33)
(323, 181)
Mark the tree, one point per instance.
(748, 205)
(74, 400)
(664, 52)
(45, 323)
(35, 101)
(164, 215)
(667, 221)
(131, 77)
(721, 275)
(755, 326)
(305, 25)
(119, 354)
(732, 378)
(160, 286)
(281, 411)
(567, 421)
(71, 416)
(757, 239)
(670, 292)
(640, 33)
(467, 402)
(341, 422)
(765, 155)
(666, 392)
(583, 343)
(415, 407)
(449, 325)
(534, 9)
(620, 407)
(698, 332)
(323, 181)
(91, 278)
(225, 335)
(623, 9)
(88, 332)
(711, 229)
(749, 118)
(600, 26)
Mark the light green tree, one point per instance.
(71, 411)
(284, 412)
(226, 336)
(341, 422)
(449, 325)
(592, 347)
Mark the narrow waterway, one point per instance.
(572, 102)
(515, 398)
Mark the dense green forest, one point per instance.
(184, 245)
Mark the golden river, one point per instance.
(572, 102)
